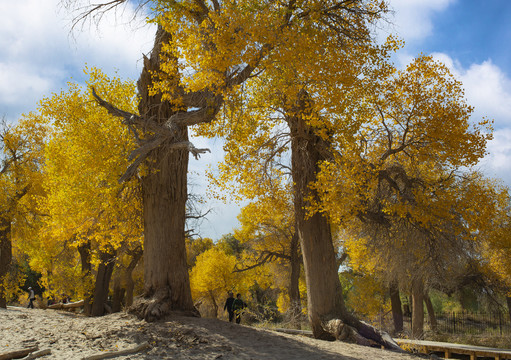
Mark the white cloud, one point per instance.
(487, 88)
(498, 162)
(412, 18)
(18, 82)
(39, 52)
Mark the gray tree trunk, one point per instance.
(324, 291)
(431, 312)
(164, 191)
(102, 285)
(84, 251)
(294, 284)
(417, 308)
(397, 310)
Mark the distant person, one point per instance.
(31, 298)
(64, 299)
(228, 306)
(238, 305)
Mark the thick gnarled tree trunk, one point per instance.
(324, 291)
(164, 191)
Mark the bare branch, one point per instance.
(129, 118)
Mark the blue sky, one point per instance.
(39, 54)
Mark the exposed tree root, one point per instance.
(366, 334)
(157, 306)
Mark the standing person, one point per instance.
(31, 298)
(238, 305)
(228, 306)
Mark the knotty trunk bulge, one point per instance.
(324, 291)
(164, 191)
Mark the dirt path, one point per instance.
(71, 336)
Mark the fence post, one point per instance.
(454, 322)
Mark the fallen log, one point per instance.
(16, 354)
(72, 305)
(110, 354)
(37, 354)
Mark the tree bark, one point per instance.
(5, 258)
(397, 310)
(431, 312)
(105, 269)
(508, 300)
(118, 294)
(164, 189)
(128, 275)
(324, 291)
(215, 305)
(294, 283)
(84, 251)
(417, 308)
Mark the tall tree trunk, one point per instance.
(164, 189)
(215, 305)
(5, 258)
(105, 269)
(417, 308)
(324, 291)
(431, 312)
(84, 251)
(118, 294)
(294, 283)
(128, 275)
(508, 300)
(397, 310)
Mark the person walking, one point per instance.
(31, 298)
(238, 305)
(228, 306)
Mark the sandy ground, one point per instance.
(71, 336)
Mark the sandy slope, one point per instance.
(71, 336)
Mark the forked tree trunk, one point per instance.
(417, 308)
(5, 258)
(105, 269)
(508, 300)
(164, 189)
(431, 312)
(397, 310)
(324, 291)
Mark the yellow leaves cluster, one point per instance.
(85, 153)
(213, 273)
(85, 156)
